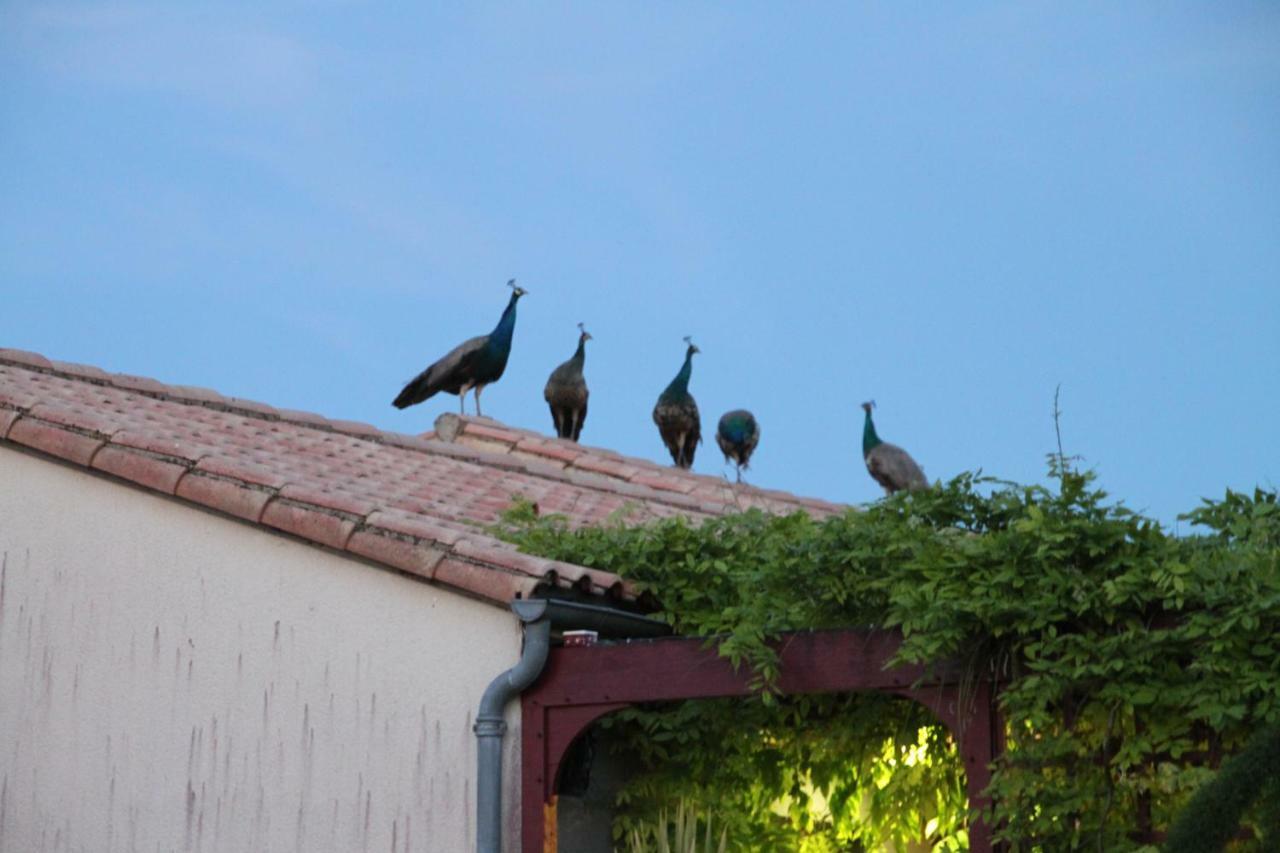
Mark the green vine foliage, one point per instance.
(1130, 661)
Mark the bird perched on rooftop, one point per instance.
(566, 392)
(888, 464)
(738, 434)
(676, 414)
(474, 363)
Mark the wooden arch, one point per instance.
(583, 683)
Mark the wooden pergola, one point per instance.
(583, 683)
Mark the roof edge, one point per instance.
(471, 562)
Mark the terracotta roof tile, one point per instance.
(665, 484)
(335, 499)
(138, 383)
(196, 394)
(548, 450)
(7, 417)
(406, 556)
(309, 522)
(418, 504)
(85, 371)
(411, 442)
(488, 583)
(355, 428)
(15, 394)
(83, 418)
(300, 417)
(165, 444)
(497, 553)
(228, 496)
(140, 468)
(253, 406)
(609, 467)
(24, 358)
(54, 440)
(486, 430)
(241, 467)
(417, 525)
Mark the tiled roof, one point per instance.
(415, 503)
(650, 488)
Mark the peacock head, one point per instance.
(688, 339)
(516, 291)
(583, 334)
(868, 406)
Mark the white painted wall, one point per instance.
(174, 680)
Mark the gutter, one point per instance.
(538, 616)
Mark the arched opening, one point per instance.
(582, 684)
(835, 771)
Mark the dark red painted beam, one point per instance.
(680, 668)
(583, 683)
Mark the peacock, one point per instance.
(676, 414)
(566, 392)
(738, 434)
(888, 464)
(473, 363)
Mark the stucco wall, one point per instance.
(174, 680)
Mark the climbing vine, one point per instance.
(1132, 661)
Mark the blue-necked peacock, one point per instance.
(676, 414)
(738, 434)
(566, 392)
(889, 465)
(474, 363)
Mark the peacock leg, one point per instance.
(478, 389)
(462, 402)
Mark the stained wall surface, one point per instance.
(175, 680)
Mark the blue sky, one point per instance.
(951, 208)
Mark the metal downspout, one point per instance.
(490, 725)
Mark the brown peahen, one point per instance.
(566, 392)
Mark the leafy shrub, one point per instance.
(1129, 660)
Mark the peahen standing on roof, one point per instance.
(474, 363)
(738, 434)
(566, 392)
(676, 414)
(888, 464)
